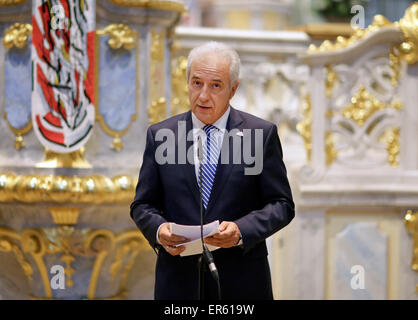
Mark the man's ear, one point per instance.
(234, 89)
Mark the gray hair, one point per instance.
(223, 50)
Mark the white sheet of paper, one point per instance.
(194, 246)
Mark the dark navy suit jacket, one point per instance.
(259, 204)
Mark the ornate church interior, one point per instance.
(341, 87)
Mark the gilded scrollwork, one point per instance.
(19, 142)
(74, 243)
(64, 189)
(120, 36)
(17, 35)
(64, 215)
(157, 111)
(391, 139)
(330, 80)
(341, 42)
(363, 105)
(408, 48)
(129, 247)
(411, 224)
(395, 65)
(8, 244)
(304, 127)
(363, 102)
(157, 46)
(180, 101)
(368, 123)
(330, 152)
(361, 90)
(409, 26)
(33, 243)
(73, 159)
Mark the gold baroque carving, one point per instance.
(330, 152)
(158, 110)
(391, 138)
(73, 159)
(330, 81)
(411, 224)
(363, 105)
(304, 127)
(17, 35)
(379, 21)
(395, 65)
(130, 249)
(409, 26)
(157, 46)
(64, 215)
(117, 143)
(7, 244)
(62, 189)
(120, 36)
(73, 243)
(180, 102)
(19, 142)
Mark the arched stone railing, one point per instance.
(360, 183)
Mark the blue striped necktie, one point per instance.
(209, 163)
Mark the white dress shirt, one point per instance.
(198, 125)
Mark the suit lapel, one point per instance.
(189, 168)
(223, 171)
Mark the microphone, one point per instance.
(207, 255)
(200, 156)
(211, 262)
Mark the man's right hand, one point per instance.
(169, 240)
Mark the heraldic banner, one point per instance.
(63, 73)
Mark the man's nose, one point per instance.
(204, 94)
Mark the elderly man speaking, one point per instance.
(250, 206)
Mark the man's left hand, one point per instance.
(227, 237)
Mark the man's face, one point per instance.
(209, 88)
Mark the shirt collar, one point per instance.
(220, 123)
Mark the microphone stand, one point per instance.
(206, 256)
